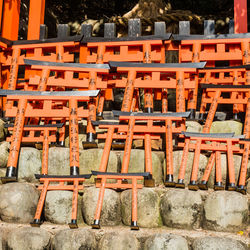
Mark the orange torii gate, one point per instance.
(216, 144)
(25, 109)
(72, 183)
(94, 78)
(10, 14)
(230, 75)
(162, 76)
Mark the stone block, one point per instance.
(148, 209)
(69, 239)
(90, 160)
(29, 238)
(155, 144)
(193, 126)
(136, 164)
(226, 127)
(226, 211)
(29, 164)
(18, 202)
(177, 155)
(3, 130)
(4, 153)
(58, 207)
(111, 208)
(58, 163)
(182, 208)
(166, 241)
(218, 243)
(118, 241)
(81, 139)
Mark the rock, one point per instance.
(101, 130)
(237, 163)
(29, 238)
(101, 144)
(182, 209)
(226, 127)
(81, 139)
(90, 160)
(155, 144)
(248, 186)
(2, 130)
(4, 153)
(29, 164)
(58, 163)
(74, 239)
(1, 242)
(111, 209)
(18, 202)
(118, 241)
(218, 243)
(2, 173)
(177, 155)
(226, 211)
(58, 207)
(192, 126)
(166, 242)
(137, 164)
(148, 209)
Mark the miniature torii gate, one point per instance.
(10, 13)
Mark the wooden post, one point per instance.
(36, 18)
(240, 16)
(1, 13)
(10, 22)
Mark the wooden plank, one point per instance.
(109, 30)
(134, 27)
(63, 30)
(43, 32)
(184, 28)
(231, 26)
(209, 27)
(160, 28)
(86, 30)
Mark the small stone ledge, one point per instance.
(196, 239)
(176, 208)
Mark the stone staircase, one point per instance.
(168, 218)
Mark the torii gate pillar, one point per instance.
(36, 18)
(240, 16)
(10, 13)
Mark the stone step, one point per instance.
(59, 237)
(221, 211)
(30, 163)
